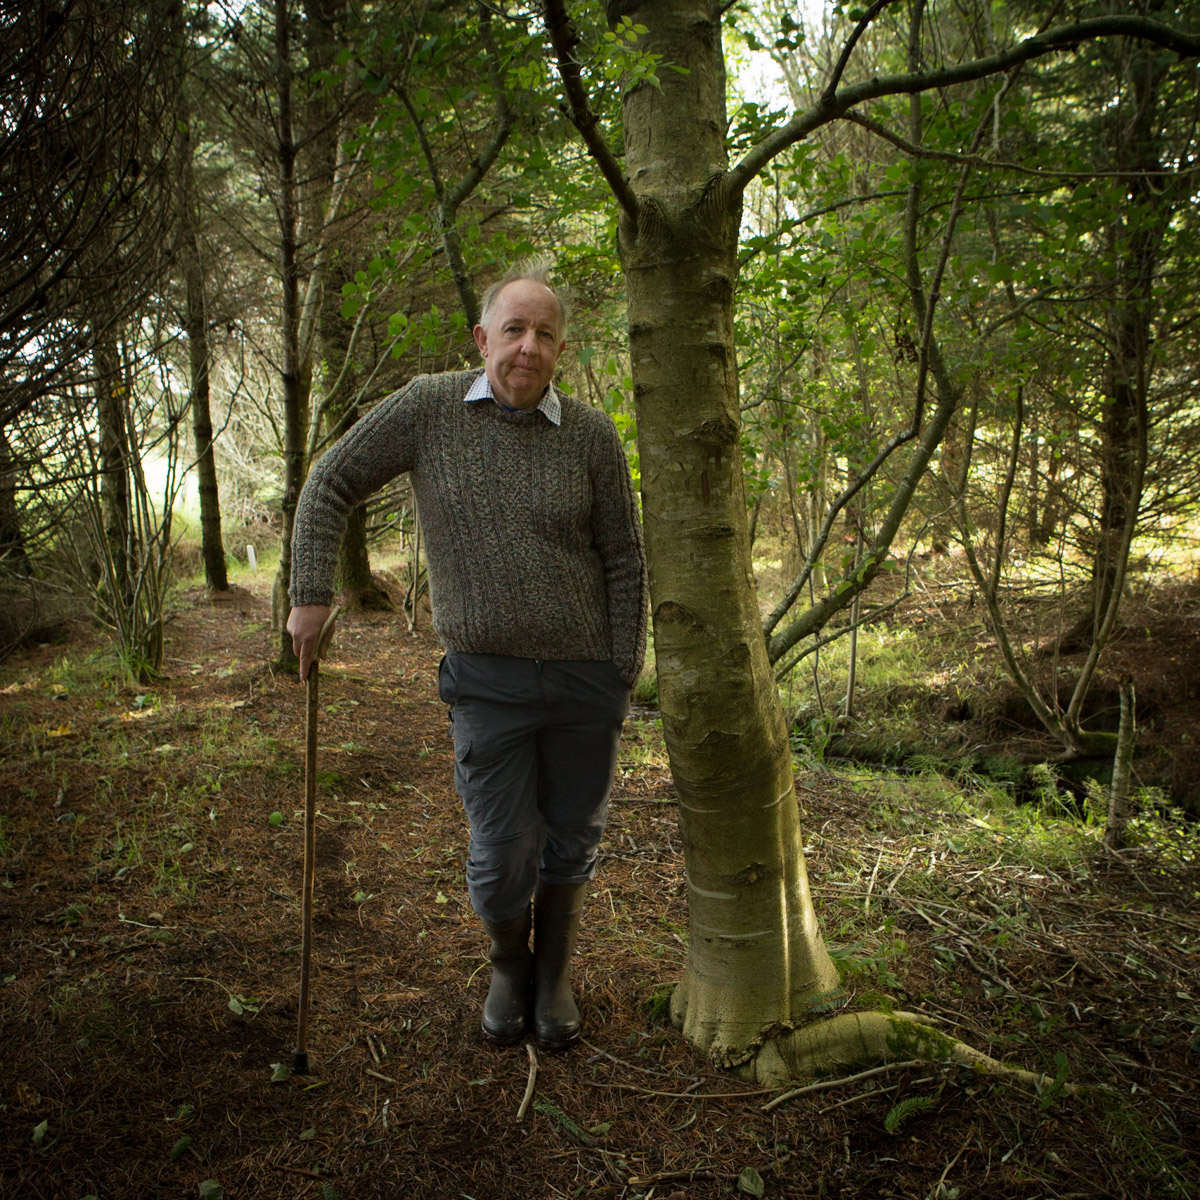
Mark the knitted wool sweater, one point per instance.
(531, 529)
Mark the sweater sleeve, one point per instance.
(617, 535)
(370, 454)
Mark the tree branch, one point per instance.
(832, 106)
(979, 160)
(843, 61)
(565, 41)
(482, 163)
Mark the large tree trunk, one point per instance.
(756, 961)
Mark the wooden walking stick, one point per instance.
(300, 1054)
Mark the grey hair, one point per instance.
(537, 268)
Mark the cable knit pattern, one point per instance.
(531, 529)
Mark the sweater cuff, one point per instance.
(299, 598)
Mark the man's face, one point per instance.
(521, 343)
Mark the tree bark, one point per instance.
(113, 430)
(292, 372)
(196, 322)
(330, 172)
(354, 566)
(1135, 238)
(756, 960)
(354, 576)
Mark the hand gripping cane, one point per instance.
(300, 1054)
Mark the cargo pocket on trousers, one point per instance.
(446, 681)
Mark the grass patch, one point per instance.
(645, 690)
(642, 744)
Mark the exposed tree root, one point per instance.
(860, 1039)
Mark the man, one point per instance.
(538, 585)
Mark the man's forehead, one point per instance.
(524, 297)
(525, 292)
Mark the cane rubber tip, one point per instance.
(299, 1062)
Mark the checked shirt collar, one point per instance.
(549, 405)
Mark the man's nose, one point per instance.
(529, 344)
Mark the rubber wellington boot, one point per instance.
(504, 1010)
(556, 911)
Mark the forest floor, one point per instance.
(150, 877)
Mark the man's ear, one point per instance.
(481, 339)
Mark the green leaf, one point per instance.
(307, 1135)
(210, 1189)
(750, 1182)
(180, 1148)
(235, 1006)
(275, 819)
(39, 1132)
(280, 1072)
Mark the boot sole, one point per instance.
(556, 1045)
(502, 1039)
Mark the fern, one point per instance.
(828, 1001)
(556, 1114)
(905, 1109)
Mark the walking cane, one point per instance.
(300, 1054)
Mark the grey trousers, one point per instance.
(535, 749)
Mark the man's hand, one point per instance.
(304, 624)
